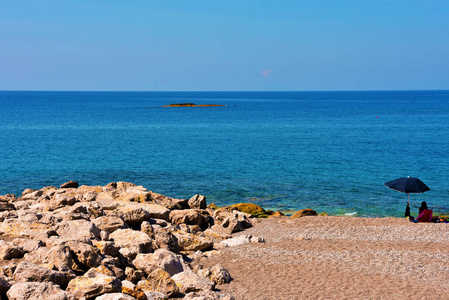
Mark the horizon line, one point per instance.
(234, 91)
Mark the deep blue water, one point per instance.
(330, 151)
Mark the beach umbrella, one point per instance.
(408, 185)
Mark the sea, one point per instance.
(329, 151)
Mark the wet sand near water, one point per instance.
(339, 258)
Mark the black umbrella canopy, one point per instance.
(408, 185)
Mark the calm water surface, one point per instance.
(330, 151)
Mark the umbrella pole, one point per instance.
(408, 199)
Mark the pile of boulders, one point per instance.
(117, 241)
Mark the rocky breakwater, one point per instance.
(117, 241)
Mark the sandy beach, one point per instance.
(339, 258)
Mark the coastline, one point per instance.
(126, 233)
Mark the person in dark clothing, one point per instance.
(423, 207)
(407, 210)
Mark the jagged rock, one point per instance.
(5, 206)
(208, 295)
(165, 239)
(188, 217)
(85, 254)
(159, 281)
(11, 214)
(79, 230)
(162, 259)
(224, 213)
(92, 209)
(218, 232)
(60, 200)
(32, 195)
(198, 201)
(133, 275)
(87, 197)
(123, 185)
(28, 216)
(112, 185)
(69, 184)
(109, 223)
(104, 235)
(135, 241)
(230, 221)
(25, 204)
(190, 242)
(27, 272)
(159, 222)
(136, 213)
(104, 270)
(147, 228)
(132, 195)
(219, 274)
(114, 265)
(27, 191)
(17, 228)
(10, 250)
(8, 198)
(188, 281)
(106, 201)
(8, 269)
(131, 289)
(232, 224)
(168, 202)
(37, 291)
(106, 248)
(304, 212)
(57, 256)
(93, 284)
(115, 296)
(50, 218)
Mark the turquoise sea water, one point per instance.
(330, 151)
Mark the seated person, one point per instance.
(425, 214)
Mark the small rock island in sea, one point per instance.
(191, 105)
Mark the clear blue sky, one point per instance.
(190, 45)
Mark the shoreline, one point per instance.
(339, 257)
(135, 242)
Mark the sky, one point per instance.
(244, 45)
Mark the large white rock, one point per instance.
(37, 291)
(79, 230)
(93, 284)
(160, 259)
(29, 272)
(135, 241)
(236, 241)
(188, 281)
(109, 223)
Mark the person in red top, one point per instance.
(425, 214)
